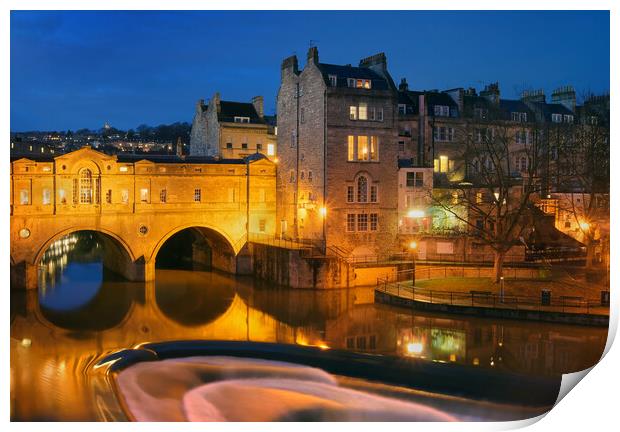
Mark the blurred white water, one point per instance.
(237, 389)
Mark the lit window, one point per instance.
(333, 80)
(24, 197)
(351, 222)
(86, 186)
(374, 149)
(47, 199)
(242, 119)
(123, 169)
(362, 148)
(362, 222)
(556, 118)
(568, 118)
(271, 149)
(351, 148)
(144, 195)
(478, 197)
(443, 164)
(363, 111)
(436, 165)
(163, 195)
(353, 112)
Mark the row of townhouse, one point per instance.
(361, 160)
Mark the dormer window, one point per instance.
(593, 120)
(333, 80)
(556, 118)
(242, 119)
(402, 109)
(442, 111)
(568, 118)
(359, 83)
(520, 117)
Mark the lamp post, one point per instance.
(323, 212)
(412, 247)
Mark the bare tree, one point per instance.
(583, 181)
(492, 202)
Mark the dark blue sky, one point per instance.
(79, 69)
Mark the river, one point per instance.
(81, 313)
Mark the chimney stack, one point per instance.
(565, 96)
(258, 103)
(491, 92)
(403, 86)
(533, 96)
(313, 55)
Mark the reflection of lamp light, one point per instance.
(413, 245)
(415, 348)
(415, 213)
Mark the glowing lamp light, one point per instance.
(584, 225)
(413, 245)
(415, 348)
(323, 211)
(415, 213)
(276, 160)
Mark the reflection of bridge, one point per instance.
(136, 204)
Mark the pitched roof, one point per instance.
(344, 72)
(133, 158)
(229, 110)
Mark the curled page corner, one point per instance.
(569, 381)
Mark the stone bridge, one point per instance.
(136, 203)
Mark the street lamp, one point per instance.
(323, 213)
(413, 245)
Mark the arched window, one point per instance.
(362, 189)
(86, 186)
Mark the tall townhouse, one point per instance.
(338, 169)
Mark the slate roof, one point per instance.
(344, 72)
(229, 110)
(133, 158)
(547, 109)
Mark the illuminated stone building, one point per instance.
(138, 202)
(232, 129)
(337, 175)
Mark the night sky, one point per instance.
(71, 70)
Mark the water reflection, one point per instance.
(57, 334)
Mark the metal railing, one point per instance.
(492, 300)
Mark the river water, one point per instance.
(81, 313)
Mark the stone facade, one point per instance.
(138, 204)
(198, 135)
(333, 160)
(232, 130)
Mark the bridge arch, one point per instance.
(118, 256)
(115, 238)
(222, 255)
